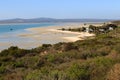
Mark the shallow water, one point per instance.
(4, 28)
(9, 34)
(13, 37)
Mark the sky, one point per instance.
(60, 9)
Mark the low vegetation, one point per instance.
(117, 22)
(105, 28)
(92, 59)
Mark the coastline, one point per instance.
(48, 35)
(72, 36)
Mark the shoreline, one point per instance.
(47, 35)
(55, 29)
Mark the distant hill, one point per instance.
(116, 22)
(39, 20)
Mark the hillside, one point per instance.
(39, 20)
(116, 22)
(91, 59)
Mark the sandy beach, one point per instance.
(47, 35)
(66, 36)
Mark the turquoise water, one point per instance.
(9, 34)
(8, 28)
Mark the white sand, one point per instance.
(49, 35)
(55, 30)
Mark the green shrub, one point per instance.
(30, 62)
(18, 64)
(4, 52)
(51, 57)
(58, 75)
(14, 51)
(2, 69)
(55, 58)
(117, 48)
(77, 72)
(38, 74)
(34, 75)
(46, 45)
(99, 68)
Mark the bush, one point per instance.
(41, 74)
(51, 57)
(34, 75)
(15, 76)
(2, 69)
(58, 75)
(18, 64)
(29, 62)
(46, 45)
(4, 53)
(99, 67)
(68, 47)
(117, 48)
(14, 51)
(45, 74)
(55, 58)
(114, 73)
(77, 72)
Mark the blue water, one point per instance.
(5, 28)
(9, 34)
